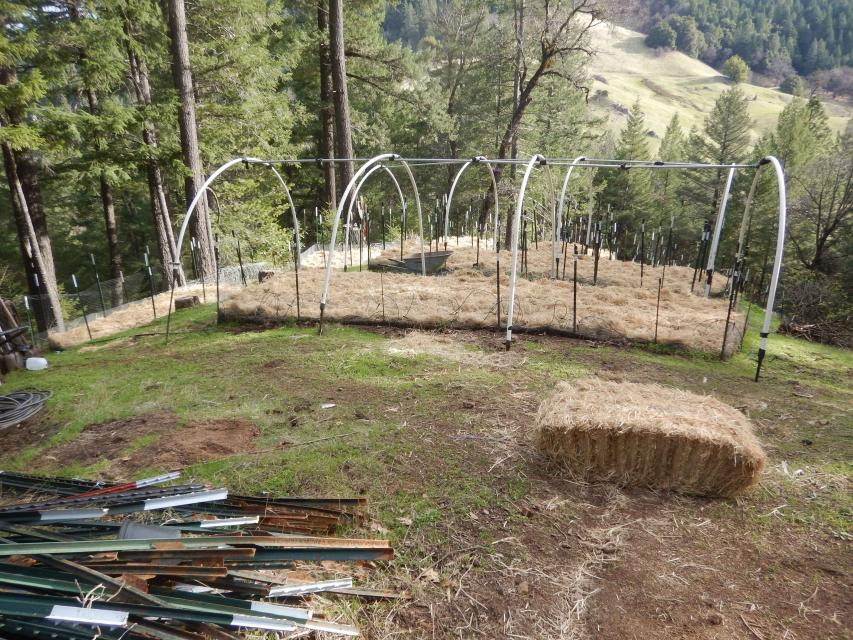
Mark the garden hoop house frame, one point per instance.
(386, 161)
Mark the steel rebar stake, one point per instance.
(98, 281)
(657, 309)
(216, 254)
(575, 292)
(296, 275)
(732, 294)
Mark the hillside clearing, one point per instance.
(436, 429)
(625, 69)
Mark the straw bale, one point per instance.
(649, 435)
(465, 297)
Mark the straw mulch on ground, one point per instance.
(466, 297)
(649, 435)
(133, 314)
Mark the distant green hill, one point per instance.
(625, 69)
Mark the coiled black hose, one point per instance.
(20, 405)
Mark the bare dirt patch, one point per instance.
(155, 440)
(698, 577)
(27, 434)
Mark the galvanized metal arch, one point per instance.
(747, 212)
(562, 204)
(475, 160)
(176, 264)
(352, 183)
(516, 224)
(354, 198)
(718, 228)
(777, 259)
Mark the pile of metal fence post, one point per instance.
(146, 559)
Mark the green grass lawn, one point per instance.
(437, 432)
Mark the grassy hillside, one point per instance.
(437, 430)
(626, 69)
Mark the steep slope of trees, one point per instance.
(112, 112)
(775, 37)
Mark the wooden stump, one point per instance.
(186, 302)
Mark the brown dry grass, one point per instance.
(649, 435)
(466, 298)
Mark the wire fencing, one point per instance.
(142, 293)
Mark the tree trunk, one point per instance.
(27, 170)
(182, 74)
(156, 188)
(107, 203)
(31, 244)
(518, 10)
(337, 57)
(327, 108)
(34, 243)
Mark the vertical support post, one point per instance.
(175, 267)
(498, 283)
(98, 281)
(596, 250)
(657, 309)
(732, 293)
(240, 258)
(30, 320)
(150, 284)
(642, 250)
(216, 255)
(516, 224)
(85, 316)
(296, 276)
(575, 292)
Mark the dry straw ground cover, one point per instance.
(134, 314)
(466, 297)
(649, 435)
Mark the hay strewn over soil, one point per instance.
(134, 314)
(649, 435)
(466, 298)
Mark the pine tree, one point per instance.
(672, 146)
(629, 191)
(20, 139)
(725, 139)
(141, 23)
(666, 183)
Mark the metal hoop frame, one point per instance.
(357, 177)
(204, 188)
(497, 218)
(557, 211)
(354, 198)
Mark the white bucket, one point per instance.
(36, 364)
